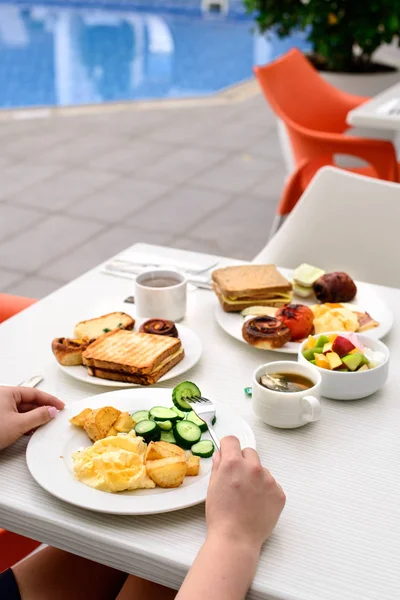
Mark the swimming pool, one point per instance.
(62, 55)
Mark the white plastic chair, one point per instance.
(342, 222)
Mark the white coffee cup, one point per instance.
(161, 293)
(287, 409)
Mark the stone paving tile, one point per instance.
(235, 175)
(33, 287)
(231, 136)
(99, 249)
(131, 156)
(242, 230)
(64, 189)
(51, 238)
(14, 219)
(20, 176)
(182, 164)
(196, 245)
(180, 210)
(34, 142)
(119, 199)
(7, 278)
(83, 148)
(271, 186)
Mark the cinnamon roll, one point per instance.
(159, 327)
(68, 352)
(335, 287)
(265, 332)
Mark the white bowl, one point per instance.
(347, 385)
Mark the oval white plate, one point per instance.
(367, 300)
(191, 345)
(57, 441)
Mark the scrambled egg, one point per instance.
(113, 464)
(333, 318)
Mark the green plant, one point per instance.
(343, 33)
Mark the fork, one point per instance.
(126, 265)
(205, 410)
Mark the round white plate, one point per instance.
(191, 345)
(57, 441)
(367, 300)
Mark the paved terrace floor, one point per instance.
(77, 188)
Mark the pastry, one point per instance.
(335, 287)
(68, 352)
(265, 332)
(298, 318)
(159, 327)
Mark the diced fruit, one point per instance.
(332, 337)
(333, 359)
(327, 347)
(322, 340)
(353, 361)
(311, 342)
(363, 368)
(342, 368)
(321, 361)
(364, 360)
(355, 351)
(342, 346)
(313, 362)
(309, 353)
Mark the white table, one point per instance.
(373, 113)
(339, 535)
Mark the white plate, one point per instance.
(191, 345)
(57, 441)
(367, 300)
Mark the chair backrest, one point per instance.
(299, 95)
(342, 222)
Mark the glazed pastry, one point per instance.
(335, 287)
(159, 327)
(265, 332)
(68, 352)
(298, 318)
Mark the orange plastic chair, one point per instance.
(13, 547)
(314, 114)
(11, 305)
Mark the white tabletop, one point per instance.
(376, 113)
(339, 535)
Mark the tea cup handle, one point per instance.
(313, 406)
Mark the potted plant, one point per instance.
(344, 36)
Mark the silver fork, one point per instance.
(127, 265)
(205, 410)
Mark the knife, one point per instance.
(31, 382)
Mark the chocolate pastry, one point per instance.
(335, 287)
(265, 332)
(159, 327)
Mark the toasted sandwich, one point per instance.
(132, 357)
(94, 328)
(251, 285)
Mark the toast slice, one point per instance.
(94, 328)
(133, 357)
(249, 285)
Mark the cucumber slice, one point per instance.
(204, 449)
(160, 413)
(186, 434)
(165, 425)
(168, 436)
(183, 390)
(140, 415)
(195, 419)
(148, 430)
(180, 413)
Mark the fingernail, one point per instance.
(52, 411)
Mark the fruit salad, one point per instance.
(338, 353)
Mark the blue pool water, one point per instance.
(68, 55)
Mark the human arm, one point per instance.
(243, 505)
(22, 410)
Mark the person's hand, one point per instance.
(23, 409)
(244, 501)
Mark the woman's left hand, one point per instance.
(23, 409)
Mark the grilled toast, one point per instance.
(134, 357)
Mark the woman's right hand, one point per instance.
(244, 501)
